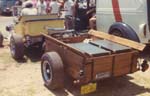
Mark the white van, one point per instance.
(126, 18)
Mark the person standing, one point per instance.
(18, 3)
(47, 6)
(29, 9)
(17, 8)
(41, 7)
(54, 7)
(81, 7)
(34, 3)
(69, 13)
(25, 2)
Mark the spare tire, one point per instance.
(1, 39)
(52, 70)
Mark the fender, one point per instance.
(125, 30)
(142, 30)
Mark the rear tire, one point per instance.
(52, 70)
(17, 46)
(123, 30)
(1, 39)
(119, 33)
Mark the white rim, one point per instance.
(12, 48)
(47, 71)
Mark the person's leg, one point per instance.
(66, 22)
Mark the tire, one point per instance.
(52, 70)
(17, 46)
(0, 11)
(116, 33)
(123, 30)
(119, 33)
(1, 39)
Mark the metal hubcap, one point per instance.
(12, 48)
(47, 71)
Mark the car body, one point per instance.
(27, 32)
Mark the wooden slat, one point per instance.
(116, 39)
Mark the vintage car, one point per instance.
(27, 32)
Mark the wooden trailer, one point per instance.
(86, 59)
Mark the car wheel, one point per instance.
(52, 70)
(17, 46)
(124, 34)
(1, 39)
(117, 33)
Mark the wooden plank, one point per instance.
(134, 65)
(122, 64)
(102, 65)
(116, 39)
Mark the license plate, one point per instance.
(85, 89)
(103, 75)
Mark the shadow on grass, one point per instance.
(32, 53)
(119, 86)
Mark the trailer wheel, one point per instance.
(17, 46)
(1, 39)
(52, 70)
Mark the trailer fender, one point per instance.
(123, 30)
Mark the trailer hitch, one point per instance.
(144, 66)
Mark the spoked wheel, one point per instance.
(16, 46)
(52, 70)
(1, 39)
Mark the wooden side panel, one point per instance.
(88, 73)
(51, 46)
(122, 64)
(102, 67)
(115, 65)
(134, 67)
(74, 63)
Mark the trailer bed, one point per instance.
(94, 60)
